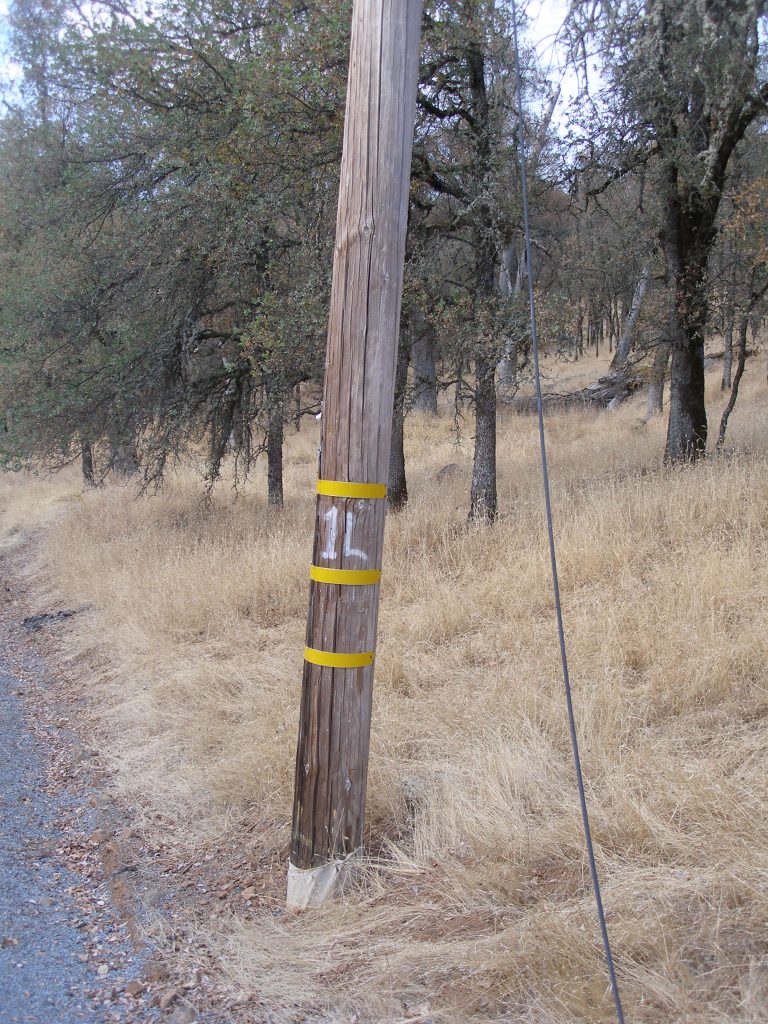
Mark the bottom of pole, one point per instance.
(311, 887)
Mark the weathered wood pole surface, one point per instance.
(332, 755)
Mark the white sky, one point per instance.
(7, 67)
(546, 18)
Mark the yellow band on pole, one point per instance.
(330, 659)
(347, 577)
(346, 489)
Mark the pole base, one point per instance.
(311, 887)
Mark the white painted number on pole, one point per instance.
(330, 517)
(348, 549)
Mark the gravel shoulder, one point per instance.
(62, 952)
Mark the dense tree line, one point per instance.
(167, 210)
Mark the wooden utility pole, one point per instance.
(332, 755)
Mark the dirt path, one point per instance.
(64, 953)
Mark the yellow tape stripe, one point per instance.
(346, 489)
(348, 577)
(330, 659)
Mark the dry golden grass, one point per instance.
(476, 905)
(32, 501)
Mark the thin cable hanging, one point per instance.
(551, 535)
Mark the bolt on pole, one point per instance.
(363, 326)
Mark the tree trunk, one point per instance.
(511, 277)
(424, 372)
(506, 370)
(606, 392)
(123, 460)
(687, 431)
(725, 383)
(397, 487)
(483, 504)
(275, 457)
(599, 333)
(740, 364)
(579, 333)
(627, 339)
(688, 240)
(655, 402)
(86, 462)
(593, 315)
(458, 395)
(614, 323)
(483, 499)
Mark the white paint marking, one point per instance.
(331, 517)
(348, 549)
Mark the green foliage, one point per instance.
(168, 194)
(165, 178)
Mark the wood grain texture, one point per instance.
(332, 755)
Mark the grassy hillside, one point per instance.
(475, 905)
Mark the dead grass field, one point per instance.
(475, 905)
